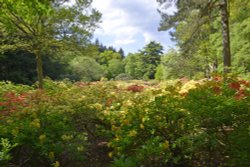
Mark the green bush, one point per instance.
(53, 127)
(175, 123)
(221, 111)
(199, 123)
(150, 128)
(123, 77)
(6, 147)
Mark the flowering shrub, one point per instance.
(11, 102)
(149, 129)
(134, 123)
(51, 126)
(220, 109)
(135, 88)
(196, 123)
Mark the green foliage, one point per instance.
(56, 125)
(151, 56)
(87, 69)
(6, 147)
(123, 77)
(114, 68)
(7, 86)
(197, 32)
(143, 65)
(41, 27)
(124, 162)
(19, 67)
(134, 66)
(221, 111)
(146, 128)
(108, 55)
(192, 124)
(133, 123)
(159, 72)
(240, 36)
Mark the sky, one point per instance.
(130, 24)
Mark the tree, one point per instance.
(18, 67)
(23, 28)
(159, 75)
(87, 69)
(225, 35)
(42, 26)
(142, 65)
(108, 55)
(151, 56)
(173, 65)
(134, 66)
(114, 68)
(111, 48)
(191, 16)
(100, 46)
(121, 53)
(240, 35)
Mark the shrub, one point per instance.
(198, 123)
(6, 147)
(175, 123)
(123, 77)
(135, 88)
(221, 111)
(150, 129)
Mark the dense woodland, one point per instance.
(66, 99)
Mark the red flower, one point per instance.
(217, 78)
(241, 94)
(217, 89)
(235, 85)
(12, 102)
(135, 88)
(245, 83)
(2, 104)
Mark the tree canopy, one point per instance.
(43, 26)
(201, 31)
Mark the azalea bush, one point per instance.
(42, 127)
(53, 126)
(191, 123)
(151, 129)
(128, 124)
(220, 109)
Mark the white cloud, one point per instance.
(148, 37)
(124, 42)
(127, 22)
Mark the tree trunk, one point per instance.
(225, 36)
(39, 68)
